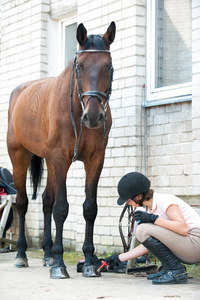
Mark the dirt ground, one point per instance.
(34, 283)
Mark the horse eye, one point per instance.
(78, 67)
(109, 68)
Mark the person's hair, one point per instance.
(149, 194)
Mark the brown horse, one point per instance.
(62, 119)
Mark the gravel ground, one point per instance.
(34, 283)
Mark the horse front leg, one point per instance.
(47, 242)
(48, 201)
(60, 213)
(90, 213)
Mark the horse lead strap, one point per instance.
(90, 94)
(126, 245)
(71, 111)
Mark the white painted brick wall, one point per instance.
(23, 58)
(28, 35)
(169, 166)
(196, 95)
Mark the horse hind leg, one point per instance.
(21, 159)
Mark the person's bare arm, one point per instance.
(137, 251)
(176, 222)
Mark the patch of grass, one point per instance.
(193, 270)
(69, 257)
(36, 253)
(73, 258)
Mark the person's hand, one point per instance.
(143, 217)
(113, 261)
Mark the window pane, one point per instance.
(70, 42)
(173, 42)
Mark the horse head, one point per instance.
(94, 74)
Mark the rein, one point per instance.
(90, 94)
(131, 220)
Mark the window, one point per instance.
(169, 51)
(69, 42)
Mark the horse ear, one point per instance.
(109, 36)
(81, 34)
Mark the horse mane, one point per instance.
(94, 41)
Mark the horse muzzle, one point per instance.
(93, 118)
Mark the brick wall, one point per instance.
(29, 50)
(23, 52)
(173, 135)
(196, 95)
(169, 144)
(23, 58)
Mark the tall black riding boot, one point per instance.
(175, 272)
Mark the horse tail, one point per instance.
(36, 170)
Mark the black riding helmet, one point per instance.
(132, 184)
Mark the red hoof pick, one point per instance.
(104, 263)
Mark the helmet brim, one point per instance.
(121, 201)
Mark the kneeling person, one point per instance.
(170, 229)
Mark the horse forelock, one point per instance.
(94, 41)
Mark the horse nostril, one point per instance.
(85, 118)
(93, 121)
(101, 116)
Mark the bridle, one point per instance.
(88, 94)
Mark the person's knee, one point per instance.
(142, 233)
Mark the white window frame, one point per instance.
(63, 24)
(168, 94)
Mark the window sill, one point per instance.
(151, 103)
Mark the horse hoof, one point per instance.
(90, 271)
(21, 263)
(58, 273)
(48, 262)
